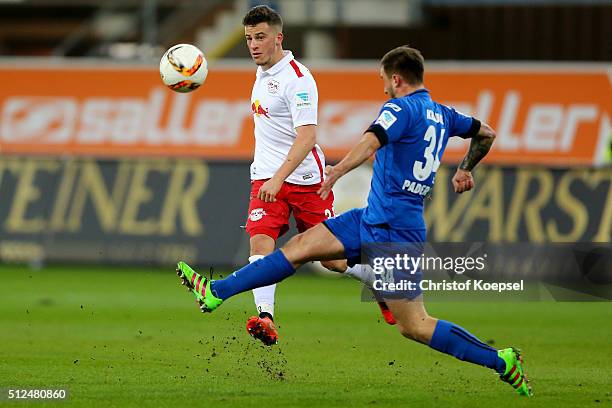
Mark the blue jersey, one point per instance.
(413, 131)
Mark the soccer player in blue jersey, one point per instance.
(409, 137)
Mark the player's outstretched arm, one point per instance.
(366, 147)
(479, 147)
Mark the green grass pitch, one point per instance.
(134, 337)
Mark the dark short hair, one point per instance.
(406, 62)
(262, 14)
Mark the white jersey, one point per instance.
(284, 97)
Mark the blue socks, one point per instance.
(456, 341)
(447, 337)
(266, 271)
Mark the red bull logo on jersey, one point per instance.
(259, 110)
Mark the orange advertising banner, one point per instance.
(542, 114)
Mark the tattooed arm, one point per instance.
(479, 147)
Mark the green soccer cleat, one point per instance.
(514, 374)
(199, 286)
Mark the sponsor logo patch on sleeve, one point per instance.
(302, 100)
(386, 119)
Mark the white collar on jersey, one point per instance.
(276, 68)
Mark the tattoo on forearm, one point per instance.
(479, 147)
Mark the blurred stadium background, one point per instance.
(101, 167)
(100, 163)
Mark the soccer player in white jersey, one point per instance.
(287, 169)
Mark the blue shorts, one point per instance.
(363, 242)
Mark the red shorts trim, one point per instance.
(303, 202)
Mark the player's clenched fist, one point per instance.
(463, 181)
(269, 190)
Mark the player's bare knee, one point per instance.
(261, 244)
(422, 335)
(407, 330)
(295, 250)
(415, 329)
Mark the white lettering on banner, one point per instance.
(481, 110)
(550, 127)
(131, 114)
(32, 119)
(94, 118)
(178, 135)
(506, 140)
(541, 126)
(102, 121)
(219, 122)
(122, 121)
(576, 113)
(166, 119)
(154, 134)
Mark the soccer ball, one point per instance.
(183, 68)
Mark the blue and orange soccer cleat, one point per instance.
(263, 329)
